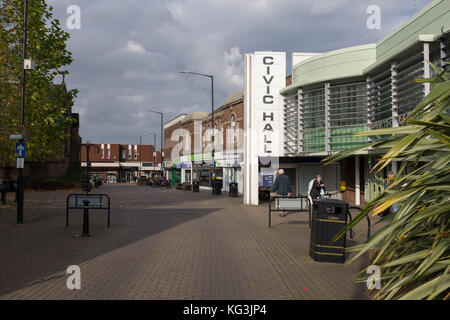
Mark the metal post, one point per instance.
(140, 155)
(270, 211)
(86, 219)
(161, 148)
(212, 167)
(212, 118)
(88, 147)
(20, 184)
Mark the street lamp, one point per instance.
(162, 134)
(20, 184)
(212, 109)
(140, 145)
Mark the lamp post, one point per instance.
(140, 143)
(20, 185)
(212, 114)
(154, 143)
(162, 135)
(140, 156)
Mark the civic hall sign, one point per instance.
(265, 76)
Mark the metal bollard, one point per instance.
(86, 219)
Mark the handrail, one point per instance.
(367, 217)
(291, 197)
(68, 206)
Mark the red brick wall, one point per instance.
(116, 153)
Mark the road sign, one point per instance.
(20, 163)
(21, 149)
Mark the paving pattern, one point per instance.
(165, 244)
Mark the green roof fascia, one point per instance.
(337, 64)
(426, 25)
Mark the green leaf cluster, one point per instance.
(47, 119)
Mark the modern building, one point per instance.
(122, 162)
(332, 96)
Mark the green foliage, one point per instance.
(47, 108)
(413, 248)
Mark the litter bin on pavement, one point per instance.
(195, 186)
(217, 187)
(328, 218)
(263, 194)
(233, 189)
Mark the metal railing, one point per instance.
(289, 204)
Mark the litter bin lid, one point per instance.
(330, 201)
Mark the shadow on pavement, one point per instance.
(43, 246)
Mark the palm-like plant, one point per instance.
(413, 248)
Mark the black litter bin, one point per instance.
(233, 189)
(328, 218)
(195, 186)
(264, 194)
(217, 187)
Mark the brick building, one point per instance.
(122, 162)
(188, 144)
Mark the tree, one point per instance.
(47, 112)
(413, 248)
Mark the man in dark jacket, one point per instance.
(282, 185)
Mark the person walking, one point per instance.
(316, 188)
(282, 186)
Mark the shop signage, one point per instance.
(267, 180)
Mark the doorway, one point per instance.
(305, 175)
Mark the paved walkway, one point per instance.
(165, 244)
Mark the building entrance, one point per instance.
(305, 175)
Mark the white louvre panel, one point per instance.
(291, 124)
(445, 48)
(312, 104)
(379, 97)
(407, 92)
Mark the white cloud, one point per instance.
(135, 47)
(234, 66)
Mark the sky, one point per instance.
(128, 53)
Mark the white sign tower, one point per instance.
(265, 76)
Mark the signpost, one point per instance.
(20, 163)
(20, 149)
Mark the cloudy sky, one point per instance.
(127, 53)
